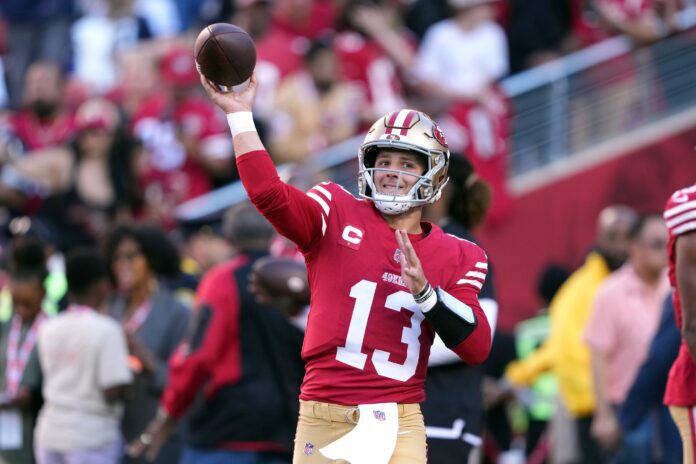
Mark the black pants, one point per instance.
(590, 452)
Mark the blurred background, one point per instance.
(563, 106)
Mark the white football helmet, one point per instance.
(412, 131)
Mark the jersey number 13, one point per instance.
(351, 353)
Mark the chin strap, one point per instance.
(392, 208)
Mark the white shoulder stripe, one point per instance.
(688, 227)
(321, 202)
(678, 209)
(478, 275)
(683, 217)
(321, 189)
(475, 283)
(481, 265)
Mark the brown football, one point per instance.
(225, 54)
(276, 280)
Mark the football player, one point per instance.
(375, 306)
(680, 216)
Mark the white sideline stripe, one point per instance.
(326, 193)
(319, 200)
(593, 156)
(475, 283)
(481, 265)
(681, 208)
(479, 275)
(684, 228)
(323, 225)
(681, 218)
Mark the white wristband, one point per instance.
(242, 121)
(429, 302)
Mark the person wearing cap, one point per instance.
(87, 183)
(186, 150)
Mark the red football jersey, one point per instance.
(481, 132)
(364, 63)
(168, 165)
(367, 341)
(680, 217)
(35, 134)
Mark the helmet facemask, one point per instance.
(423, 138)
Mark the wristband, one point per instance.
(426, 298)
(242, 121)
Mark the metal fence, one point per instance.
(559, 109)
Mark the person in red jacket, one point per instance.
(375, 306)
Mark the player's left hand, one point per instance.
(411, 269)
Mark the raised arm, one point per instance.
(292, 213)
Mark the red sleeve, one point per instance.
(476, 347)
(292, 213)
(215, 336)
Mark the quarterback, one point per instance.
(375, 306)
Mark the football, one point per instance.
(280, 282)
(225, 54)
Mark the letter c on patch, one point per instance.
(352, 235)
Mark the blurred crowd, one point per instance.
(104, 131)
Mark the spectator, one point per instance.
(456, 71)
(153, 319)
(529, 335)
(364, 59)
(462, 57)
(278, 53)
(311, 19)
(203, 246)
(37, 30)
(538, 31)
(644, 399)
(33, 230)
(84, 360)
(90, 183)
(99, 37)
(643, 21)
(243, 356)
(453, 410)
(564, 351)
(43, 121)
(314, 108)
(681, 249)
(20, 374)
(623, 321)
(186, 150)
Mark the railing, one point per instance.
(560, 108)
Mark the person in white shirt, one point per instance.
(461, 57)
(84, 360)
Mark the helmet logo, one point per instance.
(392, 137)
(439, 136)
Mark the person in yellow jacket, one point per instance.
(564, 352)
